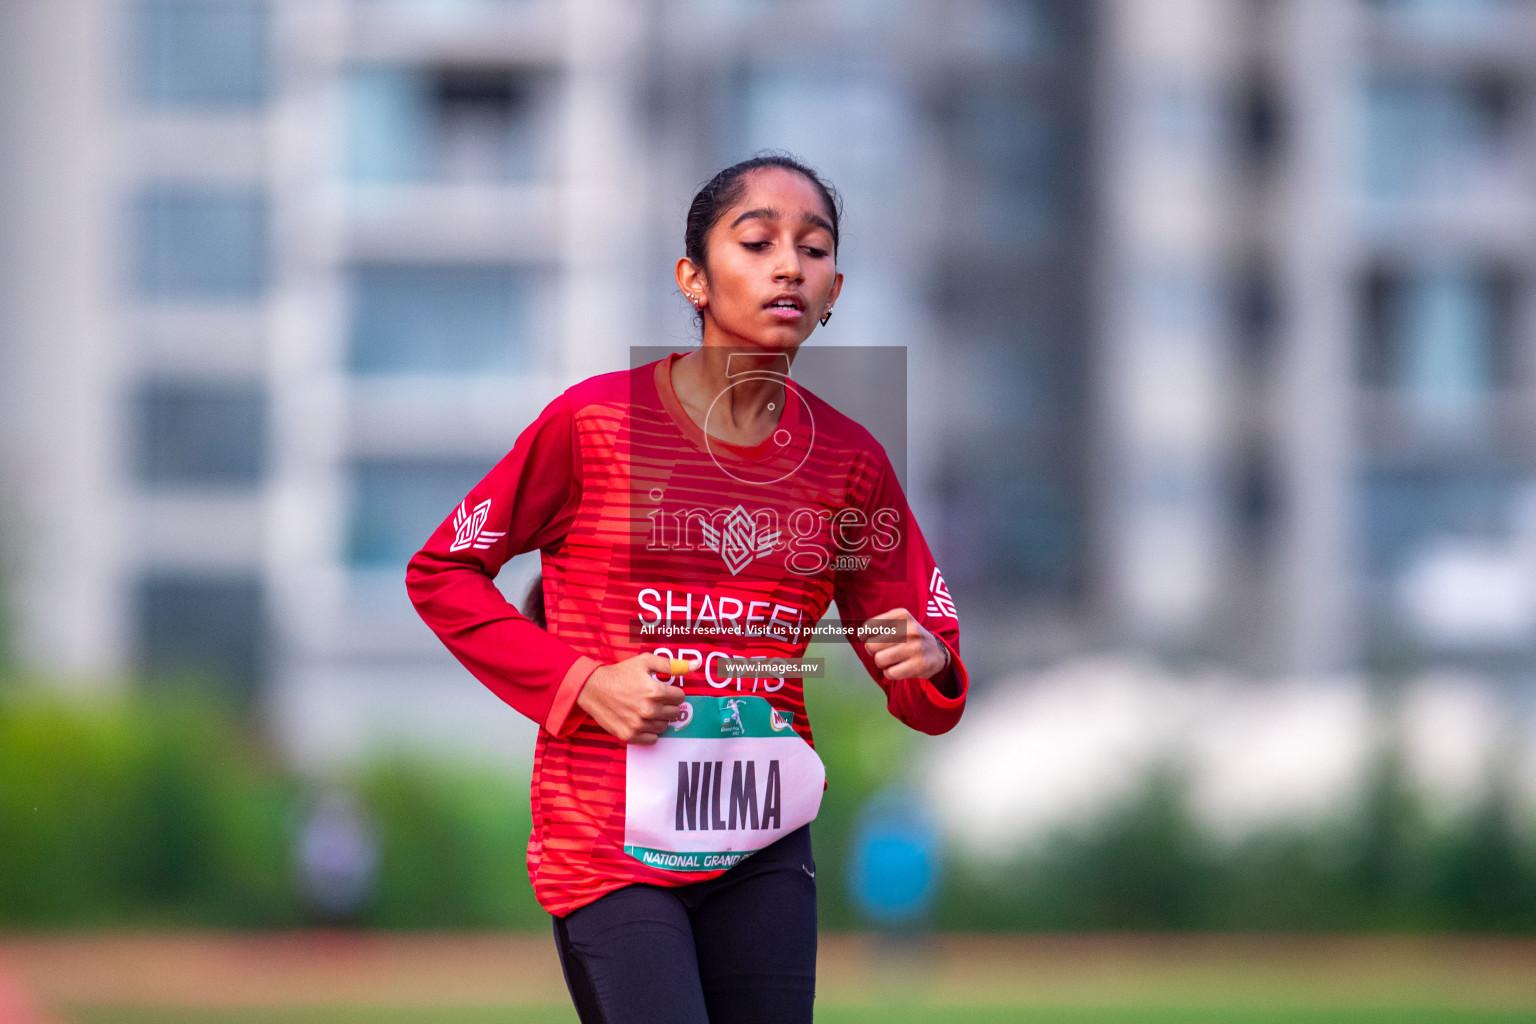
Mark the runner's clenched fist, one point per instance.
(919, 655)
(629, 702)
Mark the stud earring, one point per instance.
(826, 316)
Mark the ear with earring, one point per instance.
(826, 316)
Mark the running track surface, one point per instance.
(318, 969)
(16, 1007)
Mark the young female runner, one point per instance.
(698, 508)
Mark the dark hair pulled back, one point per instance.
(725, 189)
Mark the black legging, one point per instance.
(738, 949)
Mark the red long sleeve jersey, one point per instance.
(645, 525)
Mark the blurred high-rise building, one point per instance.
(282, 280)
(1216, 310)
(1438, 267)
(1314, 332)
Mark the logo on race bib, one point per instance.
(777, 721)
(730, 722)
(685, 717)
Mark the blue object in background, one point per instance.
(894, 867)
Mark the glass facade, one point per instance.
(1024, 196)
(197, 434)
(1010, 290)
(1439, 338)
(202, 53)
(440, 319)
(409, 124)
(858, 135)
(1445, 361)
(1448, 560)
(1446, 19)
(1444, 120)
(1404, 509)
(202, 242)
(1019, 28)
(1433, 135)
(193, 626)
(397, 503)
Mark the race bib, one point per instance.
(724, 780)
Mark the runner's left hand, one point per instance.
(919, 656)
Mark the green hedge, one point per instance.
(152, 808)
(453, 844)
(166, 809)
(1387, 865)
(117, 811)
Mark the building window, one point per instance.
(1029, 29)
(1260, 124)
(1427, 136)
(1018, 158)
(202, 53)
(1446, 19)
(862, 131)
(1014, 535)
(1256, 502)
(201, 242)
(440, 319)
(200, 627)
(446, 124)
(1036, 533)
(1404, 510)
(1438, 339)
(196, 434)
(1256, 312)
(396, 504)
(1447, 564)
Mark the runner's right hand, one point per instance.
(629, 702)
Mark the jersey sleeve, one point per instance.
(526, 502)
(901, 573)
